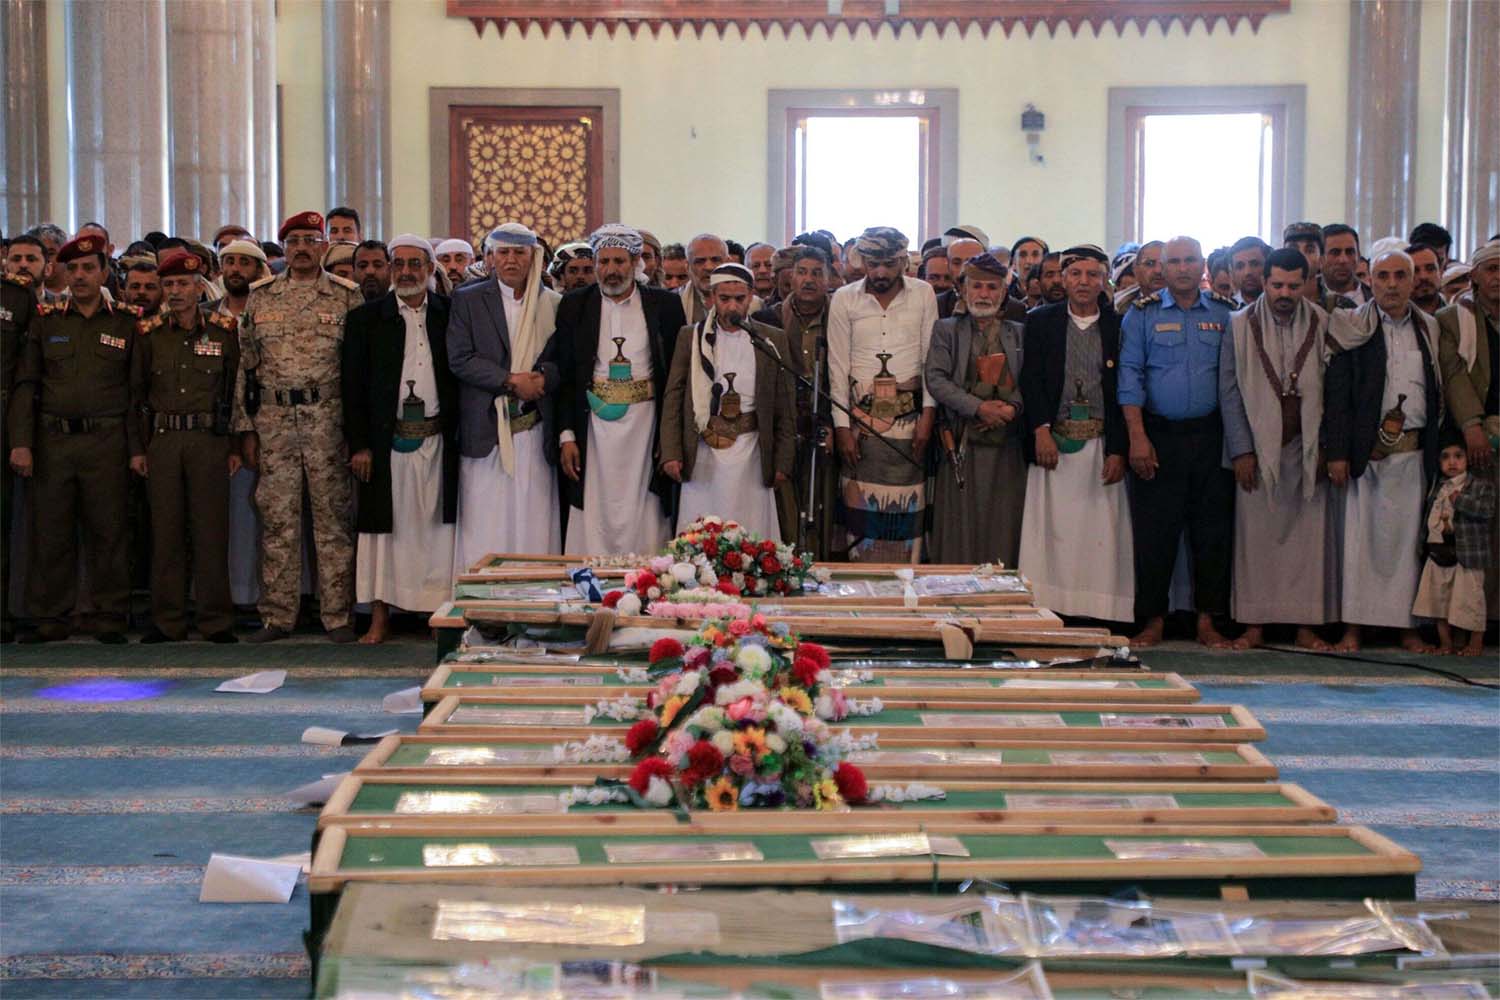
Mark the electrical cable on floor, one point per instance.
(1449, 674)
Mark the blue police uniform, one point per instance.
(1169, 367)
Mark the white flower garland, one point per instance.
(597, 749)
(633, 675)
(842, 743)
(591, 795)
(849, 678)
(914, 792)
(625, 708)
(865, 706)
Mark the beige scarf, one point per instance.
(525, 344)
(1262, 405)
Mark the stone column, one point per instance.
(1471, 136)
(23, 114)
(357, 95)
(117, 85)
(217, 134)
(1384, 37)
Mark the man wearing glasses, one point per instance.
(292, 333)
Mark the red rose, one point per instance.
(816, 653)
(767, 546)
(711, 547)
(733, 560)
(748, 548)
(851, 782)
(703, 762)
(640, 736)
(780, 586)
(806, 671)
(722, 674)
(613, 597)
(769, 564)
(796, 562)
(665, 648)
(726, 586)
(651, 767)
(645, 580)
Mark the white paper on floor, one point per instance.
(230, 878)
(261, 682)
(407, 701)
(315, 793)
(338, 738)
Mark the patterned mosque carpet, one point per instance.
(122, 770)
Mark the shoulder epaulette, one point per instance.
(224, 321)
(263, 281)
(145, 326)
(1229, 304)
(1142, 301)
(45, 309)
(342, 282)
(20, 279)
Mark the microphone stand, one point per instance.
(805, 529)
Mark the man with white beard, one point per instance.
(614, 345)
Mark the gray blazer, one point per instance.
(947, 362)
(479, 355)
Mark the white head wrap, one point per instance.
(1385, 245)
(1485, 254)
(245, 248)
(413, 241)
(701, 374)
(526, 341)
(616, 235)
(454, 245)
(510, 234)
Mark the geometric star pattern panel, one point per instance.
(538, 166)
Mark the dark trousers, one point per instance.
(79, 479)
(1191, 490)
(189, 489)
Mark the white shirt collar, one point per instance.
(1082, 322)
(419, 307)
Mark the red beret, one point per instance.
(179, 262)
(302, 220)
(81, 246)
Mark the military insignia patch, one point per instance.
(208, 349)
(118, 343)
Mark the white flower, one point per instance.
(860, 706)
(740, 689)
(653, 593)
(708, 718)
(658, 792)
(629, 605)
(597, 749)
(774, 743)
(688, 682)
(723, 740)
(759, 583)
(822, 574)
(823, 707)
(708, 577)
(823, 676)
(684, 573)
(633, 675)
(710, 519)
(738, 579)
(914, 792)
(753, 660)
(786, 718)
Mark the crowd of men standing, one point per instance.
(1295, 437)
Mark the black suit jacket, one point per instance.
(1353, 389)
(373, 353)
(1044, 345)
(577, 341)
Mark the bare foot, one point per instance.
(1474, 647)
(380, 625)
(1308, 639)
(1150, 635)
(1411, 641)
(1254, 636)
(1210, 636)
(1350, 642)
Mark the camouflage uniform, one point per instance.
(183, 376)
(291, 333)
(17, 306)
(78, 367)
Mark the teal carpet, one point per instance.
(109, 809)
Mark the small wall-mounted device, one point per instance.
(1033, 123)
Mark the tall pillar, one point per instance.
(1471, 136)
(357, 95)
(216, 93)
(1384, 37)
(23, 114)
(117, 86)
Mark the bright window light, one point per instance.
(1206, 176)
(854, 172)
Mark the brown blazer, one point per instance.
(1465, 387)
(775, 406)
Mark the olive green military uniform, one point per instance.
(71, 404)
(292, 334)
(17, 306)
(185, 378)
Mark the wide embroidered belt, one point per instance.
(525, 422)
(1078, 430)
(722, 432)
(424, 428)
(1407, 442)
(611, 392)
(886, 409)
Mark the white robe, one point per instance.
(1076, 545)
(727, 482)
(620, 513)
(411, 566)
(1282, 551)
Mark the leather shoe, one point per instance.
(267, 633)
(342, 634)
(224, 638)
(153, 637)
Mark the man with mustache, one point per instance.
(372, 269)
(1426, 278)
(291, 336)
(401, 415)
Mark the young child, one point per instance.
(1460, 508)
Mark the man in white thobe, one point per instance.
(614, 345)
(401, 415)
(1383, 402)
(500, 346)
(1271, 400)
